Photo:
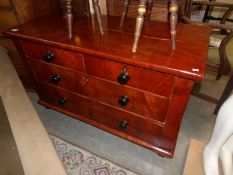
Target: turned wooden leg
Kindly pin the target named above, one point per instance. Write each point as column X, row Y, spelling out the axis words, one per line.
column 139, row 23
column 149, row 9
column 98, row 15
column 63, row 8
column 86, row 8
column 173, row 22
column 125, row 11
column 69, row 18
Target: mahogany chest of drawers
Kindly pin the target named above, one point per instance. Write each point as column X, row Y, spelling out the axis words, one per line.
column 140, row 97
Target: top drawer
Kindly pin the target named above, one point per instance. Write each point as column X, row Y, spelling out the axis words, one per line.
column 140, row 78
column 53, row 55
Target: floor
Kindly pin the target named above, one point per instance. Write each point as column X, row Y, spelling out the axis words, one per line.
column 197, row 123
column 8, row 149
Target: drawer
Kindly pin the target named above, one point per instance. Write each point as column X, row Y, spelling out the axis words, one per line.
column 140, row 78
column 54, row 55
column 146, row 104
column 63, row 99
column 126, row 123
column 57, row 76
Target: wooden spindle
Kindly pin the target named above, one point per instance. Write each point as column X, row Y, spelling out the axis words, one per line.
column 173, row 22
column 139, row 23
column 69, row 18
column 98, row 15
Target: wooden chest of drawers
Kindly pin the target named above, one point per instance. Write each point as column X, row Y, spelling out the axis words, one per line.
column 96, row 79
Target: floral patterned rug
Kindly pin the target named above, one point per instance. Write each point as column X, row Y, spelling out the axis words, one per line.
column 78, row 161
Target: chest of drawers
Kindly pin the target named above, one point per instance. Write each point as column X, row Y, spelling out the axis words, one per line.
column 140, row 97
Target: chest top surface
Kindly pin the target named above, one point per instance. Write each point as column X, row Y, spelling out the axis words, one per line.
column 154, row 51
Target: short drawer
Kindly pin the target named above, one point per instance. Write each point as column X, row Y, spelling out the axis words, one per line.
column 54, row 55
column 63, row 99
column 126, row 123
column 57, row 76
column 140, row 78
column 147, row 104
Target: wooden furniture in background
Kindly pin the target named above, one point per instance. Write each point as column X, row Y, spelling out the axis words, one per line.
column 145, row 7
column 159, row 9
column 223, row 66
column 140, row 97
column 14, row 12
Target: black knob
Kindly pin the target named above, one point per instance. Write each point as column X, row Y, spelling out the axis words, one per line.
column 123, row 78
column 49, row 56
column 55, row 79
column 123, row 100
column 62, row 101
column 123, row 124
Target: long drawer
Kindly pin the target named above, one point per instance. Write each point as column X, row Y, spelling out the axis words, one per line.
column 129, row 75
column 126, row 123
column 146, row 104
column 54, row 55
column 122, row 122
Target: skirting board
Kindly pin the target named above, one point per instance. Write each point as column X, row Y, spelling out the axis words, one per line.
column 194, row 161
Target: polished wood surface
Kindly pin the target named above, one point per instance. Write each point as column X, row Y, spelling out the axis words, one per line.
column 187, row 61
column 96, row 78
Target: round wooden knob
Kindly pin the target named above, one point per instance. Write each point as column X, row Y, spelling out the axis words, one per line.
column 55, row 79
column 123, row 78
column 123, row 100
column 49, row 56
column 123, row 124
column 62, row 101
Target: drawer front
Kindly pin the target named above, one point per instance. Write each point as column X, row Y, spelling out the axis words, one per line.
column 140, row 78
column 146, row 104
column 63, row 99
column 57, row 76
column 53, row 55
column 126, row 123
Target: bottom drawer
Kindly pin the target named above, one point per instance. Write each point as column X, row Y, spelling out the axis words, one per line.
column 63, row 99
column 126, row 123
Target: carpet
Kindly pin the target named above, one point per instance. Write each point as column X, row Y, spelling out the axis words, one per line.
column 78, row 161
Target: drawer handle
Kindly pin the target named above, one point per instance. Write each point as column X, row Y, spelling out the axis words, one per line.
column 62, row 101
column 123, row 124
column 55, row 79
column 48, row 57
column 123, row 100
column 123, row 78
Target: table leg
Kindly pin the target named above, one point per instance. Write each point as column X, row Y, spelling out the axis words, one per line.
column 98, row 15
column 139, row 23
column 149, row 9
column 86, row 8
column 69, row 18
column 126, row 5
column 173, row 22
